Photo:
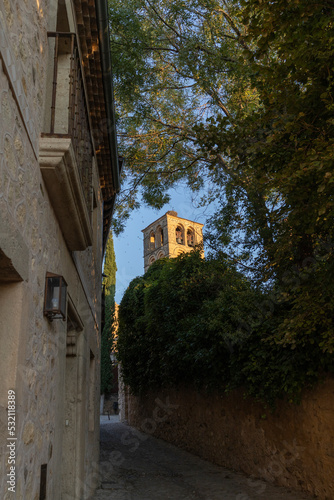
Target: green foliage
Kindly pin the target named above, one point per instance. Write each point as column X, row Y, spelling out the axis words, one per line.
column 200, row 323
column 295, row 78
column 107, row 337
column 276, row 213
column 109, row 268
column 174, row 64
column 177, row 323
column 107, row 342
column 237, row 96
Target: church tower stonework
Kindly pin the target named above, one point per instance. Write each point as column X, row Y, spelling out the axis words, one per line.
column 169, row 236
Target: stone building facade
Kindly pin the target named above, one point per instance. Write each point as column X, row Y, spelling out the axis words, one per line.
column 170, row 236
column 59, row 174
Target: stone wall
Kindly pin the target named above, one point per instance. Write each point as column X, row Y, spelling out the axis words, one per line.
column 294, row 447
column 23, row 43
column 33, row 350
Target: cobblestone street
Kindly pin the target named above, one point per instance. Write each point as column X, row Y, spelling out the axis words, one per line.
column 135, row 466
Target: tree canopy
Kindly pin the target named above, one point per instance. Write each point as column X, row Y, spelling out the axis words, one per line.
column 237, row 96
column 281, row 191
column 175, row 64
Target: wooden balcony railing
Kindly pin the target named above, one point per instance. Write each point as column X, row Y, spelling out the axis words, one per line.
column 66, row 111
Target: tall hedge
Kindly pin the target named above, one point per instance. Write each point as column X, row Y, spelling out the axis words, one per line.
column 201, row 323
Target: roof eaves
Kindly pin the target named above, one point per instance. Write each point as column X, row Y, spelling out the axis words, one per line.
column 104, row 38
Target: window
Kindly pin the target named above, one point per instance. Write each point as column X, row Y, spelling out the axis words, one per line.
column 42, row 487
column 152, row 241
column 160, row 237
column 62, row 18
column 179, row 234
column 190, row 238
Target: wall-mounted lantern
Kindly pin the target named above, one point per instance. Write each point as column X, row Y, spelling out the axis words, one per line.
column 55, row 297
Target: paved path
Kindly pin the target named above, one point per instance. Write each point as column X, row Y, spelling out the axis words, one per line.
column 135, row 466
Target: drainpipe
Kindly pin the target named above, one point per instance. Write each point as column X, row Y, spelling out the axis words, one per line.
column 104, row 38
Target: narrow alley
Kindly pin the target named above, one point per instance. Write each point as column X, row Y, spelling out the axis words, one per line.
column 135, row 466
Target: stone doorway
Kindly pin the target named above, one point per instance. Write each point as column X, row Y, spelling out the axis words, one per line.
column 73, row 434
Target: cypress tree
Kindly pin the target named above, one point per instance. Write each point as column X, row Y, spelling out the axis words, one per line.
column 107, row 338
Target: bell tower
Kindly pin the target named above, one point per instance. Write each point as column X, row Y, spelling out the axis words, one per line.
column 169, row 236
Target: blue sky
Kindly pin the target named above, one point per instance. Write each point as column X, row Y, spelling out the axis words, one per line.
column 129, row 245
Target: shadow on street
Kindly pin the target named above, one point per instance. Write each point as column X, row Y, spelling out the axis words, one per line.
column 136, row 466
